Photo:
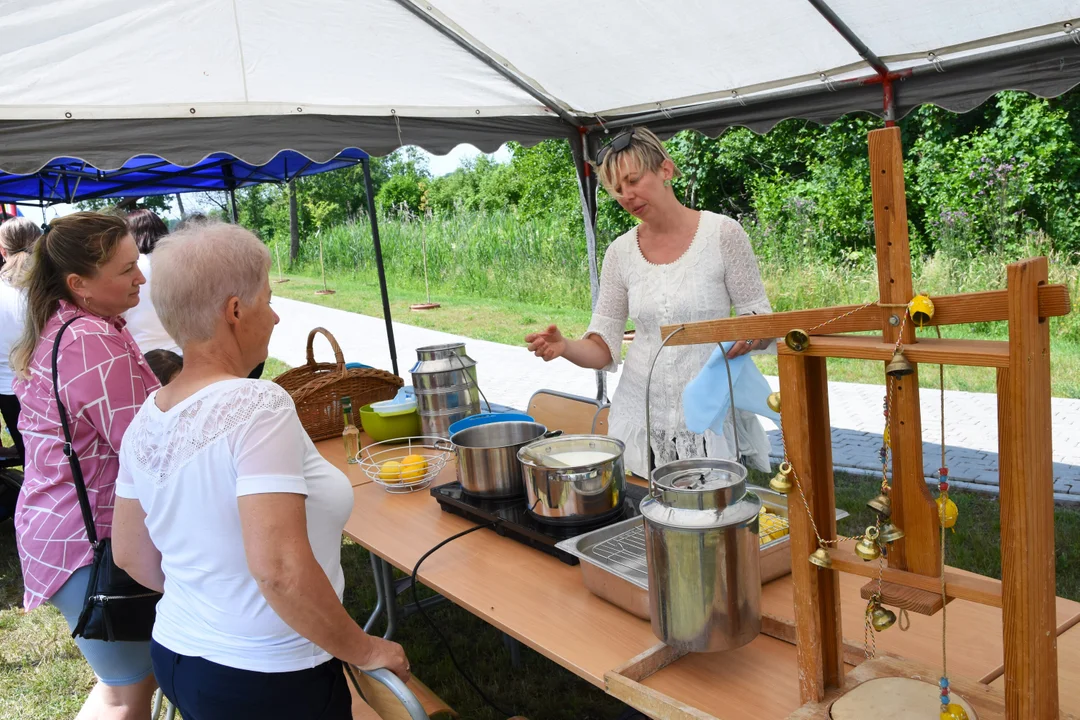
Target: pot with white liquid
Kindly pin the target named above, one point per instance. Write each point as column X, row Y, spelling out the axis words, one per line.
column 574, row 479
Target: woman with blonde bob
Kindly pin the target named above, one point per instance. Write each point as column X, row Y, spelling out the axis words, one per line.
column 677, row 265
column 224, row 502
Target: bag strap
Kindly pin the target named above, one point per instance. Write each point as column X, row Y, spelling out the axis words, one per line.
column 69, row 451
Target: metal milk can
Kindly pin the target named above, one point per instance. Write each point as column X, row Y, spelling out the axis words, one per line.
column 701, row 541
column 444, row 379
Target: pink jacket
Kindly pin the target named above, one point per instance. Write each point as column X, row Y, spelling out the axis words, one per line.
column 103, row 383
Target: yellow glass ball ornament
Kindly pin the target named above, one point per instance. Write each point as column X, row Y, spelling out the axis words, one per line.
column 947, row 511
column 952, row 711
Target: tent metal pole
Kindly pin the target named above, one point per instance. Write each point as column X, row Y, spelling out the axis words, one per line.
column 232, row 202
column 491, row 62
column 587, row 195
column 849, row 35
column 369, row 190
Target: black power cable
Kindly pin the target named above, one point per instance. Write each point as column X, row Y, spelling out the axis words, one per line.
column 442, row 638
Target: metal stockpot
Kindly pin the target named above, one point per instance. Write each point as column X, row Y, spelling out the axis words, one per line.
column 444, row 379
column 574, row 494
column 487, row 457
column 701, row 542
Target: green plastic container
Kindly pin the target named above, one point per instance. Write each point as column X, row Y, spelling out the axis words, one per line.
column 383, row 428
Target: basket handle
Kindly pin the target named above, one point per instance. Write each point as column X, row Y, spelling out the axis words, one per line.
column 338, row 355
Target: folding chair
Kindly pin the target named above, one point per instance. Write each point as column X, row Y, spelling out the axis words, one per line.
column 599, row 423
column 556, row 410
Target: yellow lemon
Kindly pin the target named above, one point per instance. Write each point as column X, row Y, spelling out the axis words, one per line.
column 390, row 471
column 413, row 468
column 413, row 462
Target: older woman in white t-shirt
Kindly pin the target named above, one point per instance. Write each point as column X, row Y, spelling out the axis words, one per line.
column 224, row 504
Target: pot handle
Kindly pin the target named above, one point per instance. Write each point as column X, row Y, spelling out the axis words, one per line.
column 551, row 434
column 444, row 446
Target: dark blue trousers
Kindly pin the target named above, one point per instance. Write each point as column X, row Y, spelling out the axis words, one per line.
column 204, row 690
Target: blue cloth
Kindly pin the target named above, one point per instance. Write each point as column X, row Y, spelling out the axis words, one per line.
column 706, row 398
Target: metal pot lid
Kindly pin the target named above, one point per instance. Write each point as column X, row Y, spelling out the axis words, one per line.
column 736, row 514
column 705, row 479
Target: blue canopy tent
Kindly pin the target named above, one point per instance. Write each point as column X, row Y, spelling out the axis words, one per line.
column 70, row 180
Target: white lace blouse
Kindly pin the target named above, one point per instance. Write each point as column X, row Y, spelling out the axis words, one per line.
column 716, row 272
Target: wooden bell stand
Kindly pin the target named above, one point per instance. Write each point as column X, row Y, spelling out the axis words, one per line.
column 1026, row 593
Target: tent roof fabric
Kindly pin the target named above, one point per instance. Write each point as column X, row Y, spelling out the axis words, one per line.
column 67, row 180
column 103, row 80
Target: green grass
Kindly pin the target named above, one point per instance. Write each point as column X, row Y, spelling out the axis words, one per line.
column 43, row 677
column 502, row 321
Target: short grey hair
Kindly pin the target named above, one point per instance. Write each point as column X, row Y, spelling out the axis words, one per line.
column 196, row 270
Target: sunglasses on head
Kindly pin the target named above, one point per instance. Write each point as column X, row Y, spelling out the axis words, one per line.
column 619, row 143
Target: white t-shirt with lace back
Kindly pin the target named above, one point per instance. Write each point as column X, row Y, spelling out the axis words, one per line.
column 718, row 271
column 187, row 467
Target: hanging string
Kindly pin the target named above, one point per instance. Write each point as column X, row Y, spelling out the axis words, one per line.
column 941, row 518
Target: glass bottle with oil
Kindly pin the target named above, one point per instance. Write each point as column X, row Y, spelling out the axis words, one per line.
column 351, row 434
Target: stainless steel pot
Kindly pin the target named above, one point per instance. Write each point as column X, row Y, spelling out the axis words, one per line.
column 574, row 492
column 444, row 379
column 702, row 546
column 487, row 457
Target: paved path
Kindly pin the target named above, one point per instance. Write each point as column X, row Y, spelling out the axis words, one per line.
column 509, row 375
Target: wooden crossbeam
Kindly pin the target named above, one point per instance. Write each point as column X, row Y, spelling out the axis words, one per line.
column 970, row 353
column 974, row 588
column 989, row 306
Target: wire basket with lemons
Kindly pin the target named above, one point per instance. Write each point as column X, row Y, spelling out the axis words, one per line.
column 405, row 465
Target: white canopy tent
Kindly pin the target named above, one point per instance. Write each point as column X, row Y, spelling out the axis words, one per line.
column 106, row 80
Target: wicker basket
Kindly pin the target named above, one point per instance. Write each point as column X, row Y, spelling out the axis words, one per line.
column 317, row 389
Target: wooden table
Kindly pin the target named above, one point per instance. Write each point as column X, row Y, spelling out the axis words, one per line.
column 333, row 450
column 542, row 602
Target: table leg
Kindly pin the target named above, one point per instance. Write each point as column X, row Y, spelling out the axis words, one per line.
column 380, row 593
column 391, row 599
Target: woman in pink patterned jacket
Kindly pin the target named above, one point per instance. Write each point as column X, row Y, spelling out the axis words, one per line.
column 84, row 266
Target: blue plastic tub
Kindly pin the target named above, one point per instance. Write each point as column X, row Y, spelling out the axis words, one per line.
column 485, row 418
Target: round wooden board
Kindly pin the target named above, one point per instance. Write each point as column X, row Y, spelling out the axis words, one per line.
column 893, row 699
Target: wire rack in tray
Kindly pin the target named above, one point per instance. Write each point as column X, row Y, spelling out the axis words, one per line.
column 627, row 549
column 388, row 463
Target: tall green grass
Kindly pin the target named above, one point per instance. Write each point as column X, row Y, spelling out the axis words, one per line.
column 494, row 255
column 499, row 255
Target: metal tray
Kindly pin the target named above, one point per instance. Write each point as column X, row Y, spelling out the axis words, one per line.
column 613, row 564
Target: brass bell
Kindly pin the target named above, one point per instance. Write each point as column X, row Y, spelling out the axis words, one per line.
column 773, row 401
column 899, row 365
column 882, row 505
column 921, row 309
column 881, row 618
column 890, row 533
column 867, row 548
column 797, row 340
column 781, row 482
column 821, row 558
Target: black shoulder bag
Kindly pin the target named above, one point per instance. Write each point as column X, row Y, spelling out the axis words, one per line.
column 116, row 607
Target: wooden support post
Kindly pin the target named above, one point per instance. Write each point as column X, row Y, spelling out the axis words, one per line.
column 1027, row 503
column 913, row 510
column 805, row 393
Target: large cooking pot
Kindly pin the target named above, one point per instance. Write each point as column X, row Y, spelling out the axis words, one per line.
column 487, row 457
column 574, row 479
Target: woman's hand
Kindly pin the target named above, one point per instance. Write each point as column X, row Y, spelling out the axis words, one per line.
column 389, row 655
column 741, row 347
column 549, row 344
